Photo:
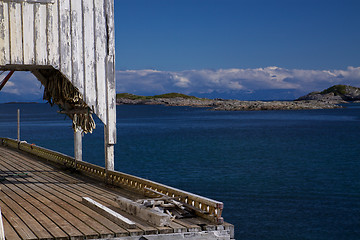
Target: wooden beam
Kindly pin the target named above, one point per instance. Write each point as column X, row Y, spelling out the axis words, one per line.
column 140, row 211
column 6, row 79
column 108, row 213
column 78, row 144
column 2, row 234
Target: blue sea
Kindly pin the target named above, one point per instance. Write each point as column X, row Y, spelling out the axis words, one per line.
column 280, row 174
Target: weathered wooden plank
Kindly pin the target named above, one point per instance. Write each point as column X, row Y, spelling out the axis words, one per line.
column 103, row 210
column 2, row 233
column 75, row 199
column 140, row 224
column 59, row 207
column 89, row 54
column 65, row 192
column 65, row 38
column 77, row 45
column 39, row 202
column 52, row 33
column 111, row 101
column 88, row 225
column 110, row 75
column 10, row 232
column 20, row 227
column 26, row 222
column 16, row 49
column 31, row 1
column 206, row 225
column 109, row 10
column 40, row 34
column 45, row 205
column 28, row 204
column 61, row 192
column 28, row 33
column 101, row 50
column 4, row 34
column 189, row 226
column 138, row 210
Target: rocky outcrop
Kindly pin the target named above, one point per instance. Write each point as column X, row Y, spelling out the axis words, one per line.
column 318, row 96
column 334, row 94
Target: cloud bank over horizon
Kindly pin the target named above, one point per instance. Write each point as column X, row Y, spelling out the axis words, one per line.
column 22, row 86
column 270, row 83
column 258, row 83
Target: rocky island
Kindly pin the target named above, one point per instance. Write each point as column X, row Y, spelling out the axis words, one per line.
column 327, row 99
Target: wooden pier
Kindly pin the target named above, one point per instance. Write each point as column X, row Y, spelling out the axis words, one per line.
column 41, row 197
column 69, row 45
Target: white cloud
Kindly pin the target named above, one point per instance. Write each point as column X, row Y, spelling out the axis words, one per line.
column 22, row 83
column 182, row 82
column 228, row 80
column 249, row 82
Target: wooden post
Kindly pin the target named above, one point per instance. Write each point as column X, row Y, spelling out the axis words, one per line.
column 78, row 144
column 2, row 233
column 18, row 125
column 110, row 93
column 109, row 152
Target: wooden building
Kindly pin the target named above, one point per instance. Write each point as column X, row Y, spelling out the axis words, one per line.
column 69, row 46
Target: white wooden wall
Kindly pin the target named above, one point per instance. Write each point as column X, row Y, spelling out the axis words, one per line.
column 75, row 37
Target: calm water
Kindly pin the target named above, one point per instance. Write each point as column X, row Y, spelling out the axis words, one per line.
column 280, row 174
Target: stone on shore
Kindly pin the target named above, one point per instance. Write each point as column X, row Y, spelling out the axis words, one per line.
column 232, row 105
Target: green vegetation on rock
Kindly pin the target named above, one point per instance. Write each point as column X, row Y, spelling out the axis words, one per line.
column 166, row 95
column 130, row 96
column 175, row 95
column 337, row 90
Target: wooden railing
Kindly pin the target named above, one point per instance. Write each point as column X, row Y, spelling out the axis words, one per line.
column 204, row 207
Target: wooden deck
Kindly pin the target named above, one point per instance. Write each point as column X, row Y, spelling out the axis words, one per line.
column 40, row 201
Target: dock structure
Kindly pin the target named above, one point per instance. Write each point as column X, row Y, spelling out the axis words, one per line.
column 69, row 45
column 45, row 195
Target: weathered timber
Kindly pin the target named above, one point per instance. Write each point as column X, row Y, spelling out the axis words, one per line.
column 72, row 37
column 40, row 201
column 210, row 209
column 139, row 210
column 107, row 212
column 2, row 234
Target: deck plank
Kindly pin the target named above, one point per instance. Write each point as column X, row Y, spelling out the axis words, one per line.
column 10, row 232
column 73, row 215
column 41, row 201
column 43, row 196
column 30, row 221
column 20, row 227
column 60, row 191
column 42, row 218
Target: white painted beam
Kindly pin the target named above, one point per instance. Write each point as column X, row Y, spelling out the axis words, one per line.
column 28, row 32
column 4, row 34
column 108, row 213
column 78, row 145
column 2, row 233
column 147, row 214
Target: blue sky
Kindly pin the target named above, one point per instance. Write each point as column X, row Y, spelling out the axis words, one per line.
column 180, row 35
column 244, row 49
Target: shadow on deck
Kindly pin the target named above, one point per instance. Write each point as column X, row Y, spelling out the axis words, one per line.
column 42, row 195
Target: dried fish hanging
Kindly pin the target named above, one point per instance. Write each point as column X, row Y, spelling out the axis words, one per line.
column 58, row 90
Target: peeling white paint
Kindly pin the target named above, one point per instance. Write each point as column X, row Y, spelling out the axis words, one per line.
column 75, row 37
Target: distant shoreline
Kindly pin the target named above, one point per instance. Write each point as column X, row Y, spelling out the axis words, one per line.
column 19, row 103
column 232, row 105
column 328, row 99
